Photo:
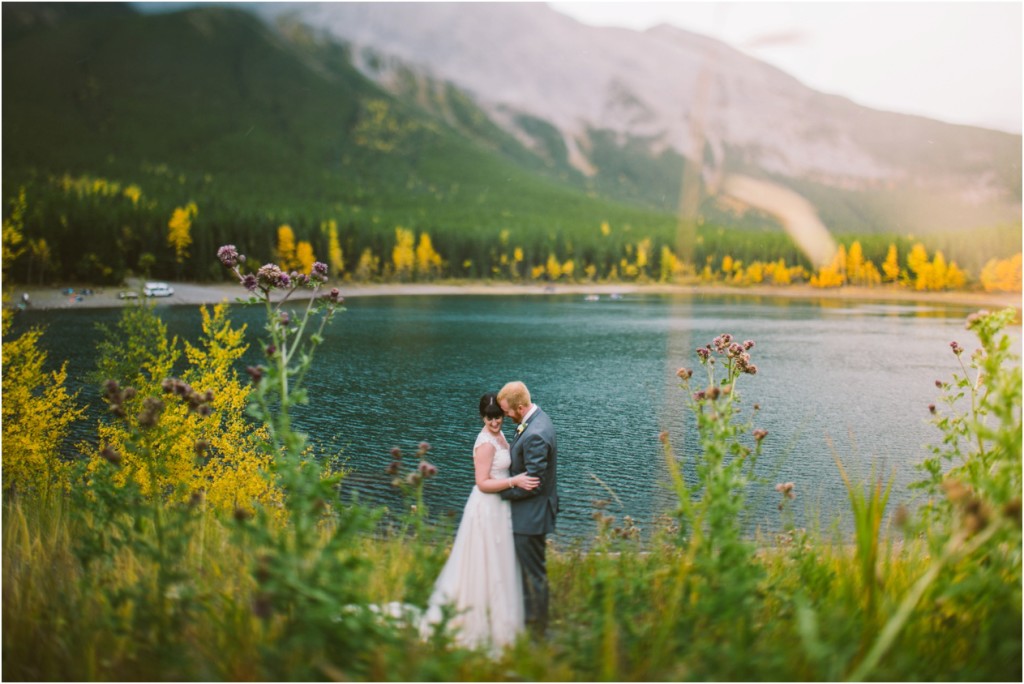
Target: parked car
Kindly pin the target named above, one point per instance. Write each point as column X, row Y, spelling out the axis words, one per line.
column 158, row 290
column 127, row 294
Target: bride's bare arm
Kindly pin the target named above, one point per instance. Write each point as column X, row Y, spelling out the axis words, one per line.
column 483, row 457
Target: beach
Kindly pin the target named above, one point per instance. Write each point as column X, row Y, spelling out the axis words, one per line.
column 72, row 296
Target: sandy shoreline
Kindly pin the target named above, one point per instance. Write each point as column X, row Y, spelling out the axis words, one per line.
column 196, row 294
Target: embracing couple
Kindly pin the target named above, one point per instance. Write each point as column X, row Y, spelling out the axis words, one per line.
column 495, row 578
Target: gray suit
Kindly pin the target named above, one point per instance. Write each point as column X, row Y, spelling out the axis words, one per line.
column 534, row 451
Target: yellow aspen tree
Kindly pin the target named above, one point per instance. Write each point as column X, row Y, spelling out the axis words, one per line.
column 335, row 255
column 781, row 274
column 285, row 252
column 553, row 267
column 134, row 193
column 590, row 270
column 403, row 256
column 568, row 268
column 669, row 265
column 1002, row 275
column 955, row 277
column 368, row 265
column 428, row 261
column 855, row 264
column 537, row 272
column 727, row 265
column 643, row 250
column 917, row 259
column 891, row 265
column 938, row 274
column 179, row 230
column 304, row 255
column 517, row 259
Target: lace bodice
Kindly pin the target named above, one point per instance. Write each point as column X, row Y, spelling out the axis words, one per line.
column 502, row 456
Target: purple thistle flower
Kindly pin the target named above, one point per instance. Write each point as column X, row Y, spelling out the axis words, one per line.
column 255, row 372
column 319, row 272
column 684, row 373
column 748, row 345
column 427, row 469
column 249, row 282
column 229, row 256
column 285, row 318
column 269, row 276
column 760, row 434
column 957, row 349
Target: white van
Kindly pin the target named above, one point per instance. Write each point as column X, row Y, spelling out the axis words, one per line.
column 158, row 290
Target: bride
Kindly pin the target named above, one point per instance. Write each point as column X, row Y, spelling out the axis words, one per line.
column 481, row 579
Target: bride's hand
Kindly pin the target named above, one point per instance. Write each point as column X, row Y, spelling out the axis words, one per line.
column 524, row 481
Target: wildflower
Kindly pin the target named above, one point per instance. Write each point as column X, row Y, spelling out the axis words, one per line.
column 684, row 373
column 413, row 478
column 427, row 469
column 396, row 452
column 334, row 296
column 698, row 395
column 270, row 276
column 255, row 372
column 704, row 353
column 285, row 318
column 931, row 409
column 111, row 455
column 713, row 392
column 748, row 345
column 250, row 282
column 319, row 272
column 786, row 489
column 976, row 318
column 393, row 468
column 271, row 350
column 663, row 437
column 201, row 447
column 424, row 446
column 229, row 256
column 957, row 349
column 299, row 279
column 760, row 434
column 955, row 490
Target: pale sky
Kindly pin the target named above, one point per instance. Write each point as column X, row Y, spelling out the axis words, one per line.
column 954, row 61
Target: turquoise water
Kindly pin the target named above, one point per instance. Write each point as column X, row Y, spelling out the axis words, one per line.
column 853, row 379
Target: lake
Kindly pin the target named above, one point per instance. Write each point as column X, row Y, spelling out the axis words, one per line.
column 835, row 377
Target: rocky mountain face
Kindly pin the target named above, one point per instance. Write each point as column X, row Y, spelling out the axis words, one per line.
column 667, row 91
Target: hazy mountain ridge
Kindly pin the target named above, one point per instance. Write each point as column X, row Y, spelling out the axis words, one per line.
column 524, row 61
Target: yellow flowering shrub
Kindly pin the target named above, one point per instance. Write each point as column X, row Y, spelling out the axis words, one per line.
column 187, row 451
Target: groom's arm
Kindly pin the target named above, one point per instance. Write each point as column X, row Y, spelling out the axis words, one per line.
column 536, row 458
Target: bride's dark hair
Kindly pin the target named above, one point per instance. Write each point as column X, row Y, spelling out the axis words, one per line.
column 489, row 406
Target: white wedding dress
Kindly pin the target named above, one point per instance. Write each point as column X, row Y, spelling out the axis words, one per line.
column 481, row 579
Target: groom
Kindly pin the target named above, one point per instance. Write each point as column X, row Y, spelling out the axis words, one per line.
column 533, row 512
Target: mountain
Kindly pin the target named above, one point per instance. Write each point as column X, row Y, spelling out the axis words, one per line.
column 612, row 108
column 259, row 127
column 261, row 115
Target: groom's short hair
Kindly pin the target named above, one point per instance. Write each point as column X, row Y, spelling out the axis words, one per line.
column 515, row 393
